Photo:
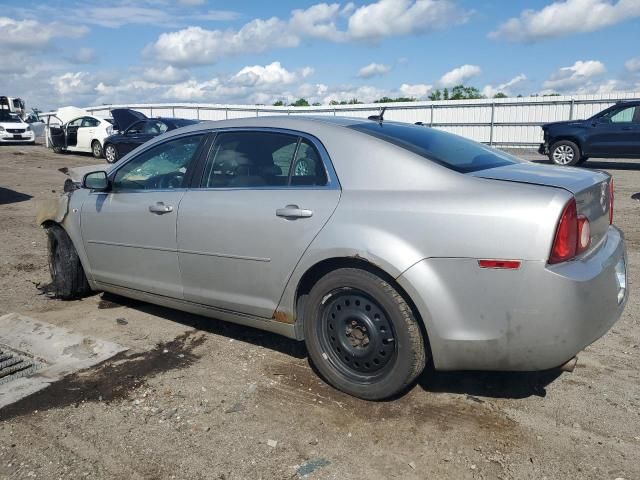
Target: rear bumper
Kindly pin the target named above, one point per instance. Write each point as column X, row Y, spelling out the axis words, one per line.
column 533, row 318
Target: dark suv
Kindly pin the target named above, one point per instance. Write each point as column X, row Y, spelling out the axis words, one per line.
column 612, row 133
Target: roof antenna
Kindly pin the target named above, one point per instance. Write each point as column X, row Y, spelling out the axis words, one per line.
column 378, row 118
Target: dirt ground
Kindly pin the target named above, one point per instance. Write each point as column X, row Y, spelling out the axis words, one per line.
column 197, row 398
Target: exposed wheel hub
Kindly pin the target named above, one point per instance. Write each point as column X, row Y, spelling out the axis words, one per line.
column 358, row 334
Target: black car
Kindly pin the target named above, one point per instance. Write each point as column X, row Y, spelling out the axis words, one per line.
column 612, row 133
column 134, row 129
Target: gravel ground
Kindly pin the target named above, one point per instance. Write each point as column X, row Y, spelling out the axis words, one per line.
column 196, row 398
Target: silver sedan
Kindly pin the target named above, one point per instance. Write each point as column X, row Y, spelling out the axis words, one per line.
column 382, row 245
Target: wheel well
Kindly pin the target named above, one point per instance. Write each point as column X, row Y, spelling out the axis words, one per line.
column 568, row 138
column 320, row 269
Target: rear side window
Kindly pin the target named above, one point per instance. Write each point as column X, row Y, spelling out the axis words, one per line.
column 262, row 159
column 446, row 149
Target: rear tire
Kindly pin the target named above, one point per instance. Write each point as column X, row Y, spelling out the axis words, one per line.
column 361, row 335
column 582, row 160
column 565, row 153
column 68, row 280
column 57, row 149
column 96, row 149
column 110, row 153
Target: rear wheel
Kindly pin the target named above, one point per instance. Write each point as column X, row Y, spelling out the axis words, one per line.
column 564, row 153
column 57, row 149
column 96, row 149
column 582, row 160
column 110, row 153
column 68, row 279
column 361, row 335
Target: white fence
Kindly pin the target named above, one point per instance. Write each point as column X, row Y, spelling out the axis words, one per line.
column 507, row 122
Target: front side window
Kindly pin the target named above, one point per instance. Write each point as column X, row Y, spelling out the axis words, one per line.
column 154, row 127
column 89, row 122
column 161, row 167
column 622, row 116
column 75, row 123
column 262, row 159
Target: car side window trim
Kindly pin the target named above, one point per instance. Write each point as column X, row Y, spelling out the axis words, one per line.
column 333, row 182
column 188, row 175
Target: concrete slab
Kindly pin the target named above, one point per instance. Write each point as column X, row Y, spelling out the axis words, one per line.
column 61, row 351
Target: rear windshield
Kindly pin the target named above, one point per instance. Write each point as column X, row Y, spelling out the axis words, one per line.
column 451, row 151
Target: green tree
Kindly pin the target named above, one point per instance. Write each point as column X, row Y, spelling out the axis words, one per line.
column 499, row 95
column 301, row 102
column 399, row 99
column 279, row 103
column 460, row 92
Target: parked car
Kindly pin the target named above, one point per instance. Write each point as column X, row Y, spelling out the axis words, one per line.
column 13, row 129
column 79, row 131
column 381, row 245
column 134, row 129
column 612, row 133
column 35, row 123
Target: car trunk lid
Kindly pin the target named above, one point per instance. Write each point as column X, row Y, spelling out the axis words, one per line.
column 590, row 188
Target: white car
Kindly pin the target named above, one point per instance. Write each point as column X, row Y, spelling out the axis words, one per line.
column 78, row 131
column 14, row 130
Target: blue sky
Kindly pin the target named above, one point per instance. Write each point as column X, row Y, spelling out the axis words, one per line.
column 84, row 53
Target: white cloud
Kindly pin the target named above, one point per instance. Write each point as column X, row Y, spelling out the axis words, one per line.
column 373, row 70
column 334, row 22
column 563, row 18
column 459, row 75
column 76, row 83
column 165, row 75
column 490, row 91
column 632, row 65
column 31, row 34
column 578, row 78
column 418, row 91
column 269, row 75
column 197, row 46
column 317, row 21
column 387, row 18
column 192, row 3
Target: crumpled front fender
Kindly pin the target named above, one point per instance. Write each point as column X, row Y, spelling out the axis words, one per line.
column 53, row 209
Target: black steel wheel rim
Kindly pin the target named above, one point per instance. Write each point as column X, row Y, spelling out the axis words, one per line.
column 356, row 334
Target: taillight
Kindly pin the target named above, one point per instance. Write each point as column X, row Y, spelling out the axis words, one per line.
column 573, row 234
column 611, row 201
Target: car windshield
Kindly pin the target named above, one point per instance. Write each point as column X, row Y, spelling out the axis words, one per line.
column 446, row 149
column 6, row 116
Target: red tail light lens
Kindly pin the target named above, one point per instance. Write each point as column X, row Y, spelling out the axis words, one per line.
column 611, row 201
column 573, row 235
column 566, row 241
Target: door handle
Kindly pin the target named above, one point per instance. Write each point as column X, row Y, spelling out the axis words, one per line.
column 291, row 212
column 160, row 208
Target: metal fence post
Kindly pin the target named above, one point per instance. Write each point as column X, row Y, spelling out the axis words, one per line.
column 433, row 107
column 198, row 113
column 493, row 108
column 173, row 112
column 571, row 109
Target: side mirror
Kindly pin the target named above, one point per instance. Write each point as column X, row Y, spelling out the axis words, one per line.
column 96, row 181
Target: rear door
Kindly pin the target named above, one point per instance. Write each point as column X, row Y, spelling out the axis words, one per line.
column 87, row 132
column 130, row 232
column 262, row 198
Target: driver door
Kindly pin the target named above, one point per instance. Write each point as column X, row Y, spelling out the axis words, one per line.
column 129, row 232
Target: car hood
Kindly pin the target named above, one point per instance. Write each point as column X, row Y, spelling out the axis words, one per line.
column 568, row 123
column 572, row 179
column 125, row 117
column 13, row 124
